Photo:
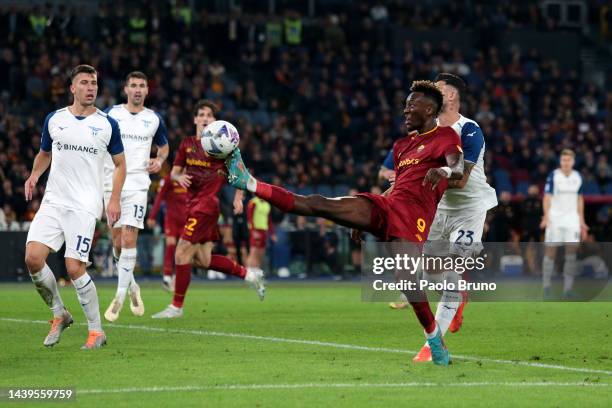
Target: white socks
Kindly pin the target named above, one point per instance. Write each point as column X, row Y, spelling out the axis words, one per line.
column 251, row 184
column 88, row 298
column 569, row 272
column 447, row 309
column 45, row 283
column 547, row 271
column 449, row 301
column 125, row 268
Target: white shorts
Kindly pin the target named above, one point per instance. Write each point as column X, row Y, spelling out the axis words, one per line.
column 133, row 208
column 561, row 234
column 52, row 226
column 459, row 234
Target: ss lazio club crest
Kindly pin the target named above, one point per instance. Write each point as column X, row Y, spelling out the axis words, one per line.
column 146, row 123
column 94, row 130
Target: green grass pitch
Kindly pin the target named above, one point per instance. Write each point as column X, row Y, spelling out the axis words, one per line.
column 308, row 345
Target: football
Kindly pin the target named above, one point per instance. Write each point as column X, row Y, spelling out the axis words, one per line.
column 219, row 139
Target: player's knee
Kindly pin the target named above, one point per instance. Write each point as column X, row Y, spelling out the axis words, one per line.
column 34, row 261
column 129, row 235
column 181, row 255
column 75, row 270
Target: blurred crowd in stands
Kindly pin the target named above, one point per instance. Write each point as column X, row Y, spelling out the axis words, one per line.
column 317, row 98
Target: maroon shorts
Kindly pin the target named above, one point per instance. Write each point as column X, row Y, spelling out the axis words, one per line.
column 173, row 226
column 258, row 238
column 389, row 221
column 201, row 227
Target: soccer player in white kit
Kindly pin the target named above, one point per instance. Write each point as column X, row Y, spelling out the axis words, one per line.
column 563, row 219
column 140, row 128
column 459, row 222
column 78, row 137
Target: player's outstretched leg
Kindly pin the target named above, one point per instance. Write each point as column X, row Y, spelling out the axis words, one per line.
column 350, row 212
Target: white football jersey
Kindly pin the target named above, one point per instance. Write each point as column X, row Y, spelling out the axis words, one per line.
column 564, row 201
column 79, row 146
column 138, row 132
column 477, row 193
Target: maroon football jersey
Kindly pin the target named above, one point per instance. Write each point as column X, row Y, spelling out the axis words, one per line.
column 208, row 174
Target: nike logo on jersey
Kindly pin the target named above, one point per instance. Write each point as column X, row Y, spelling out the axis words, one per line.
column 126, row 269
column 62, row 127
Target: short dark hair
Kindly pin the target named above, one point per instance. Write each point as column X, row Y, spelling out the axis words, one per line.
column 136, row 74
column 453, row 80
column 430, row 90
column 83, row 68
column 205, row 103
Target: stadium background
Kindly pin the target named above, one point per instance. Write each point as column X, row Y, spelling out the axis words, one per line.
column 316, row 89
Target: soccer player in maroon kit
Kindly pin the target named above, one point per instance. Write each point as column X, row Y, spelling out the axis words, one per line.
column 424, row 160
column 203, row 176
column 176, row 198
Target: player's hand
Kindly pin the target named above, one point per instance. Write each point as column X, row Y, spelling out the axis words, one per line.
column 151, row 223
column 184, row 180
column 154, row 166
column 238, row 207
column 357, row 235
column 433, row 177
column 544, row 223
column 30, row 185
column 584, row 231
column 391, row 178
column 273, row 238
column 113, row 212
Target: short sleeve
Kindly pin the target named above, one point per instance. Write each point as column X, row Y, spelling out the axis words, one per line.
column 115, row 146
column 161, row 135
column 549, row 187
column 45, row 139
column 472, row 141
column 453, row 144
column 180, row 158
column 388, row 163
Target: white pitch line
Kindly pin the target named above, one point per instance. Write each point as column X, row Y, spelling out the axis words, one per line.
column 251, row 387
column 326, row 344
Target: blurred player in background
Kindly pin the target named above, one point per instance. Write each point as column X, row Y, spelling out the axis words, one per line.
column 462, row 211
column 260, row 228
column 425, row 159
column 563, row 219
column 140, row 128
column 175, row 196
column 78, row 137
column 203, row 176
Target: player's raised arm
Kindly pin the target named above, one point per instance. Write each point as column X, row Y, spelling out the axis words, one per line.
column 453, row 170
